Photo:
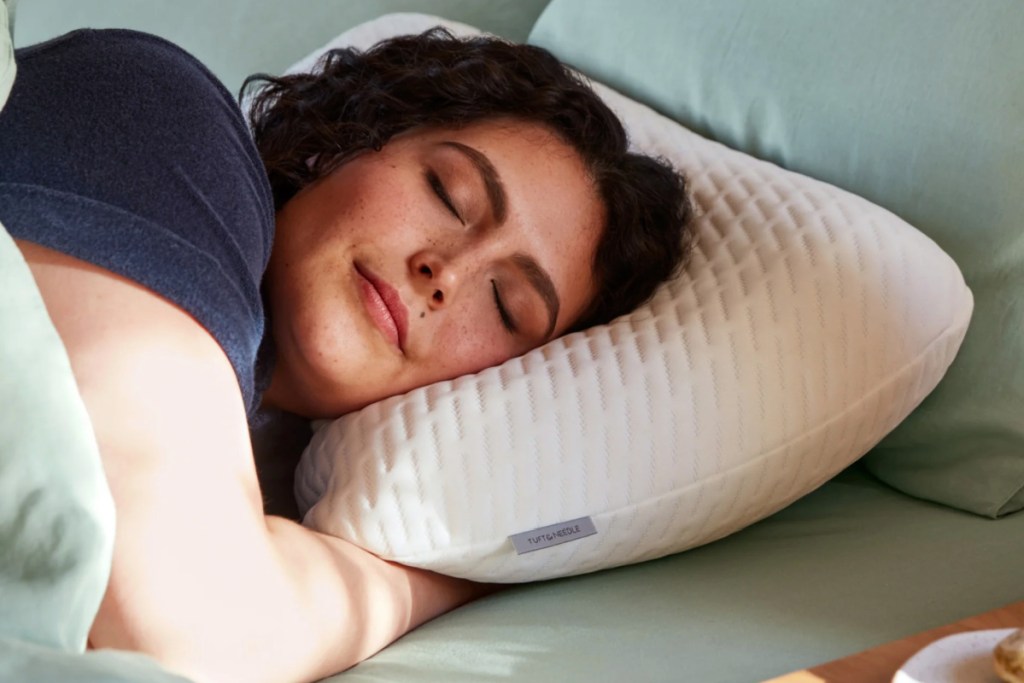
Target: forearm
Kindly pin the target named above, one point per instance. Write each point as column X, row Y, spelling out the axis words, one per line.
column 212, row 589
column 220, row 593
column 360, row 602
column 313, row 606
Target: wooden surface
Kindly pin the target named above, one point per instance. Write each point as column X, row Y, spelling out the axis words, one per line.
column 878, row 665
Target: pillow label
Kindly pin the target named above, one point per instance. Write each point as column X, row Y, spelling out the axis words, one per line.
column 552, row 534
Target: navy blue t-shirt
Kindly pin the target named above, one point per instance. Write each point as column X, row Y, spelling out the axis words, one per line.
column 120, row 149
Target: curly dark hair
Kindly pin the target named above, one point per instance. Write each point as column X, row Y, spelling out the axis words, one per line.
column 356, row 101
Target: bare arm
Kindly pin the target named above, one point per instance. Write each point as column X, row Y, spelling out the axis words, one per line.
column 201, row 579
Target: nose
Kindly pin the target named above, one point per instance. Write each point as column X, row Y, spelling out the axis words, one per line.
column 436, row 278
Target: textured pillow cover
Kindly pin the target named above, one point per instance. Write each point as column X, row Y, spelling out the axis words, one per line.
column 809, row 323
column 916, row 105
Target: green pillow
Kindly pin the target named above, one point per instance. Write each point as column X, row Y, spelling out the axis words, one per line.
column 915, row 105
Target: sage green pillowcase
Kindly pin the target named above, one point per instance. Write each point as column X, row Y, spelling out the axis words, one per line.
column 916, row 105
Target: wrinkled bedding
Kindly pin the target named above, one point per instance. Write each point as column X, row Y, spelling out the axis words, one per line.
column 56, row 512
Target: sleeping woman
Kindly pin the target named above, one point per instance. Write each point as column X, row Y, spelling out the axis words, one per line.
column 426, row 209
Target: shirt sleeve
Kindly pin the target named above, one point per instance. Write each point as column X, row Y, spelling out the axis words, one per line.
column 121, row 149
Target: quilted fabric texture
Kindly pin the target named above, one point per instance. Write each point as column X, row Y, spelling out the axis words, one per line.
column 808, row 325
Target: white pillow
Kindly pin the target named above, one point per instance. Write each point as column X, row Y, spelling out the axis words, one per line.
column 808, row 324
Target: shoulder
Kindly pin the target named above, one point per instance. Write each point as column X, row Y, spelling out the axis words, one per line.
column 136, row 122
column 122, row 150
column 141, row 102
column 126, row 76
column 104, row 54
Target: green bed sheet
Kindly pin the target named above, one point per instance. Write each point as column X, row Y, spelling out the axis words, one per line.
column 853, row 565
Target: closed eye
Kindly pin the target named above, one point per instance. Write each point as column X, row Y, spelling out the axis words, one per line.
column 506, row 319
column 439, row 189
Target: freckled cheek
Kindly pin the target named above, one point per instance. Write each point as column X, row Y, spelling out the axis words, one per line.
column 389, row 210
column 466, row 349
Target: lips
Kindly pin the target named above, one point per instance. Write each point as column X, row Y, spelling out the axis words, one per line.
column 384, row 306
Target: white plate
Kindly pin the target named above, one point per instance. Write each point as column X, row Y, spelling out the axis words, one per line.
column 960, row 658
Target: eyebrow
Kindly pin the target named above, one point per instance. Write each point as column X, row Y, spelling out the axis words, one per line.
column 541, row 281
column 492, row 181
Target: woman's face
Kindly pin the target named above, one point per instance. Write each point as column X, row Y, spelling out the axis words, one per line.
column 447, row 252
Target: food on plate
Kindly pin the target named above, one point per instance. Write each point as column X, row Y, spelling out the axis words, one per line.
column 1009, row 657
